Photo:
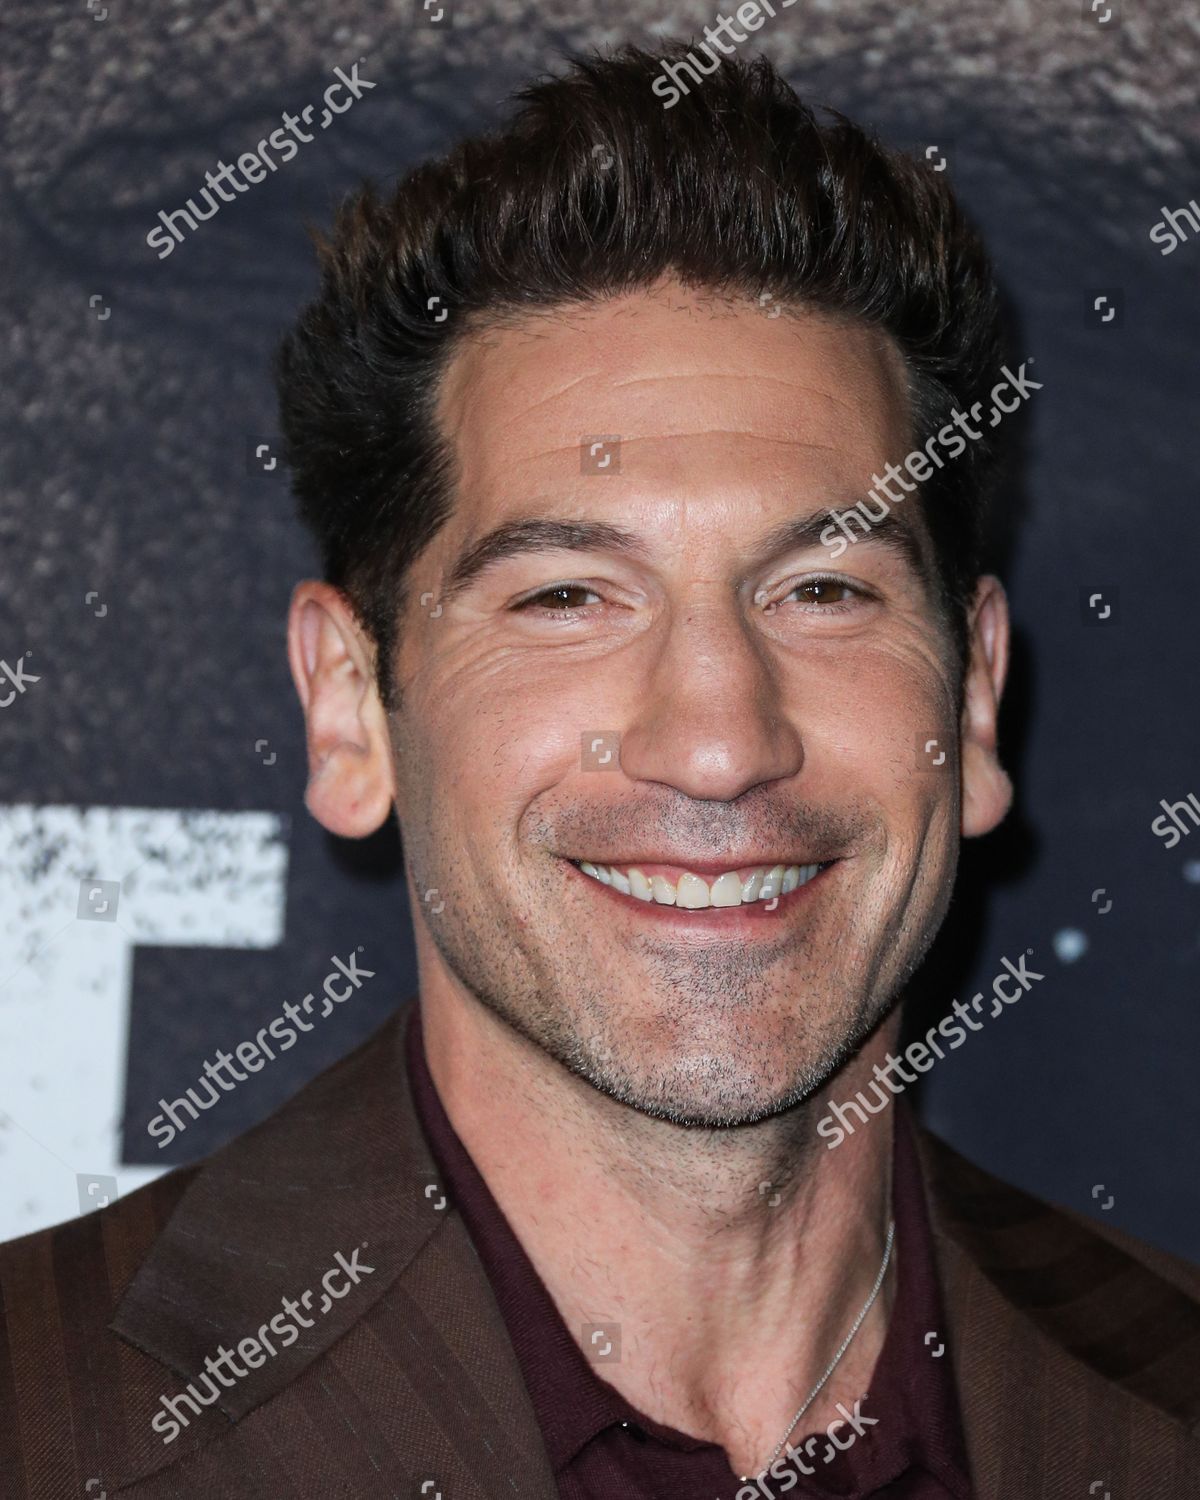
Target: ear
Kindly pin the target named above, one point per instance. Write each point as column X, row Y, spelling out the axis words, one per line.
column 986, row 789
column 350, row 783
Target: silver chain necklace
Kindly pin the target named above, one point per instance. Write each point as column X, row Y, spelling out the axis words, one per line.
column 832, row 1365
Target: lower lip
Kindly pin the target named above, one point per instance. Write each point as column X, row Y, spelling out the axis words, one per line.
column 755, row 915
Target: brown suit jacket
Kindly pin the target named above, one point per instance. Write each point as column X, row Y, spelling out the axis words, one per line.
column 1076, row 1350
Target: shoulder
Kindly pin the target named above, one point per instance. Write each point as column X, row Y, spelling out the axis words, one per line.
column 1118, row 1317
column 326, row 1119
column 987, row 1211
column 96, row 1254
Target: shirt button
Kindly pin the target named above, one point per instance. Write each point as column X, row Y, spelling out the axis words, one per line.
column 635, row 1431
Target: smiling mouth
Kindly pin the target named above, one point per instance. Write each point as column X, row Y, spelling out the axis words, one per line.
column 672, row 885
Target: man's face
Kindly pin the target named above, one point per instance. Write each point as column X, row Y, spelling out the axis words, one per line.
column 759, row 704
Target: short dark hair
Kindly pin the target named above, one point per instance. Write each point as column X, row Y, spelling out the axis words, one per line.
column 592, row 189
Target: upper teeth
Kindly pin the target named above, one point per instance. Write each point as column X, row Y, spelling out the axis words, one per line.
column 694, row 891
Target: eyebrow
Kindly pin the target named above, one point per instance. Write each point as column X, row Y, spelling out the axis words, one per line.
column 533, row 534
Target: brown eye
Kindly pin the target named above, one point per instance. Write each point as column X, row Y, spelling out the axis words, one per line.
column 560, row 599
column 825, row 596
column 824, row 591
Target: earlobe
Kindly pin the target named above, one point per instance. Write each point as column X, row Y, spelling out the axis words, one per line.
column 986, row 788
column 350, row 787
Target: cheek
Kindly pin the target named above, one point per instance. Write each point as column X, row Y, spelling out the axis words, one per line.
column 519, row 704
column 867, row 723
column 491, row 730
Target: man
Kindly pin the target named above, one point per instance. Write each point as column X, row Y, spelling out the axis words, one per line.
column 682, row 732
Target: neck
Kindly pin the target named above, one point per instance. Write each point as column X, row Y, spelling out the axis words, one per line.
column 734, row 1261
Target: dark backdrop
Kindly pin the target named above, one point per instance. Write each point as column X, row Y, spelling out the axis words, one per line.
column 148, row 555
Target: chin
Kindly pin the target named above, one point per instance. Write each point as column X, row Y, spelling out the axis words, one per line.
column 708, row 1091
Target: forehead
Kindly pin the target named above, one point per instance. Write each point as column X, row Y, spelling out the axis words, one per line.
column 696, row 387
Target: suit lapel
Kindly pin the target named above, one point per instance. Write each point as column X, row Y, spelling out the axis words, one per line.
column 344, row 1167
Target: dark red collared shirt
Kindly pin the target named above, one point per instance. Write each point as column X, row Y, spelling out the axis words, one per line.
column 602, row 1448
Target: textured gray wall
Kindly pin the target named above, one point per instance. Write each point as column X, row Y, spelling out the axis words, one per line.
column 134, row 390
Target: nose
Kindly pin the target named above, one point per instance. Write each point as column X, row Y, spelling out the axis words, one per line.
column 709, row 714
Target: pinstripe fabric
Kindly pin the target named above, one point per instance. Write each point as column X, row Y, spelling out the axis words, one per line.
column 1076, row 1350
